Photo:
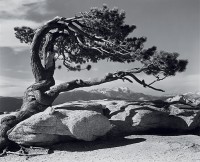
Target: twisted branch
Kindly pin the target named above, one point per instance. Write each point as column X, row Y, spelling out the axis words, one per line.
column 123, row 75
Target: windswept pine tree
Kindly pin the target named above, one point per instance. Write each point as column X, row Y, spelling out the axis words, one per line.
column 99, row 34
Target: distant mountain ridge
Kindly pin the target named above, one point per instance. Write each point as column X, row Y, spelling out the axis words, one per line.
column 124, row 93
column 8, row 104
column 78, row 95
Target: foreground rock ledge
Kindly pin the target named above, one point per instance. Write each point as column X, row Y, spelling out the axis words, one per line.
column 75, row 121
column 89, row 120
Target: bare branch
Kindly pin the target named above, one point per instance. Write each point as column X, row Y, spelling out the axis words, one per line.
column 142, row 82
column 123, row 75
column 158, row 79
column 75, row 28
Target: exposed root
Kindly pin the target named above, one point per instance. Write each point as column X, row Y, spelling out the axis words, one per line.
column 4, row 153
column 23, row 154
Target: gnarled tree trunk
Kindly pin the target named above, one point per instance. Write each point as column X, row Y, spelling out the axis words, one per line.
column 35, row 99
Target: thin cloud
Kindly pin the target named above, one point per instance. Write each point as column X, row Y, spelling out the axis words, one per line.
column 17, row 13
column 12, row 86
column 7, row 85
column 20, row 8
column 23, row 71
column 7, row 31
column 15, row 64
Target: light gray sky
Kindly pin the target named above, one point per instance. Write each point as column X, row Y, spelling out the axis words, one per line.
column 171, row 25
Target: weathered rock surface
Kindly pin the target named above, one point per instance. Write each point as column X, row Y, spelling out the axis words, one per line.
column 88, row 125
column 188, row 98
column 88, row 120
column 138, row 117
column 56, row 124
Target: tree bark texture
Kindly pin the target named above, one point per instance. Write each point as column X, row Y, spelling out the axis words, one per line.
column 35, row 100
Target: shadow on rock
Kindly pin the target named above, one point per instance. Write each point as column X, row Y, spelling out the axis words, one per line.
column 96, row 145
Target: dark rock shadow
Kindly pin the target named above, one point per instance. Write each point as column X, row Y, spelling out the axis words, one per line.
column 82, row 146
column 164, row 132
